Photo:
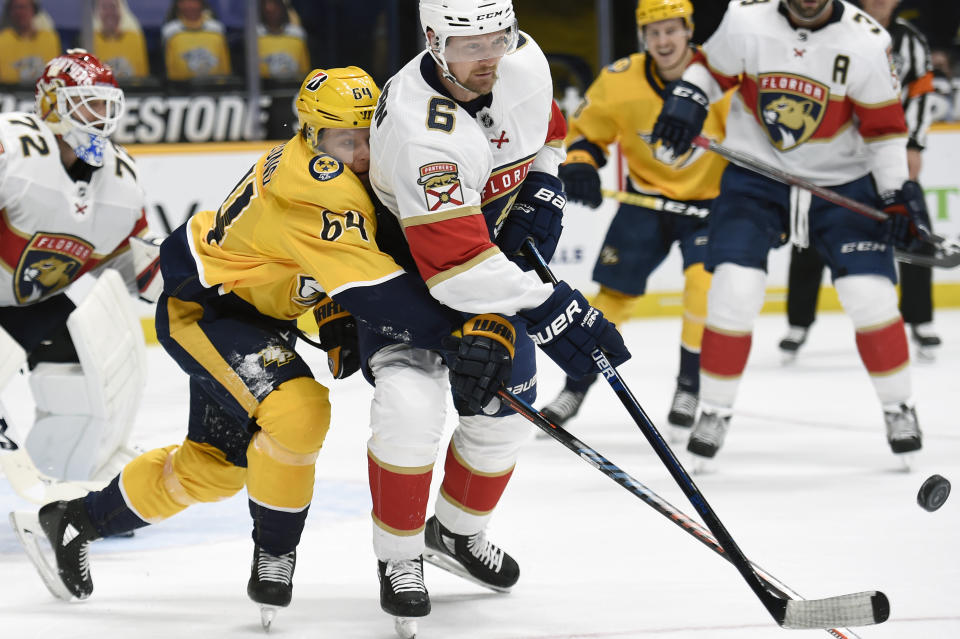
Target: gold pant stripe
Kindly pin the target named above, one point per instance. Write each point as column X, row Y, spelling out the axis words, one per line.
column 399, row 470
column 270, row 447
column 460, row 460
column 453, row 502
column 395, row 531
column 188, row 334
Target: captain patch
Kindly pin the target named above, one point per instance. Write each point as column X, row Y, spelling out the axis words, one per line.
column 441, row 185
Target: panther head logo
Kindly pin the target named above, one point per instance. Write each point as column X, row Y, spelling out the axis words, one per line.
column 791, row 108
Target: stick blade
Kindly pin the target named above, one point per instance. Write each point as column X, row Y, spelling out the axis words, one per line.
column 857, row 609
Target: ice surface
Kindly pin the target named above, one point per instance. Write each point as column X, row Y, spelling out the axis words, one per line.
column 805, row 483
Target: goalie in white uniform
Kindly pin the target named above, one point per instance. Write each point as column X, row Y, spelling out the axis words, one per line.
column 71, row 203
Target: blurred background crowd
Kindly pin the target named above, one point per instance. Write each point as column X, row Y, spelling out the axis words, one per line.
column 257, row 51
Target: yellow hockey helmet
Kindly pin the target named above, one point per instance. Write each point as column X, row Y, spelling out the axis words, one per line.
column 342, row 98
column 649, row 11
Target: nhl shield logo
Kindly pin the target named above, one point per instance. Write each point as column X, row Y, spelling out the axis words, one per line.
column 441, row 185
column 790, row 107
column 47, row 264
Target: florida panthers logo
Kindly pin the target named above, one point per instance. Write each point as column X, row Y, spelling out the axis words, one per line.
column 791, row 108
column 441, row 185
column 48, row 264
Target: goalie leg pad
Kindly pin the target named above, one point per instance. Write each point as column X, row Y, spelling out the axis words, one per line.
column 12, row 357
column 293, row 420
column 85, row 412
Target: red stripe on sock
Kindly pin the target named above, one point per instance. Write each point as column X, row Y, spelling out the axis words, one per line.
column 885, row 349
column 399, row 499
column 475, row 492
column 723, row 355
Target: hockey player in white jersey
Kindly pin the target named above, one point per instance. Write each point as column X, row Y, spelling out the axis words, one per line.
column 817, row 98
column 465, row 145
column 71, row 203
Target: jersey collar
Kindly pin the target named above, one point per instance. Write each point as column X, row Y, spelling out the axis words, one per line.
column 428, row 70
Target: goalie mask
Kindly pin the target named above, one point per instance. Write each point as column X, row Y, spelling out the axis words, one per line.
column 78, row 98
column 490, row 27
column 343, row 98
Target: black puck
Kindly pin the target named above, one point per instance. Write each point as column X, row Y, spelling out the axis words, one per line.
column 933, row 493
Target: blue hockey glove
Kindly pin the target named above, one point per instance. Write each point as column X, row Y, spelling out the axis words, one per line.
column 338, row 337
column 681, row 118
column 581, row 181
column 909, row 221
column 568, row 330
column 480, row 359
column 537, row 213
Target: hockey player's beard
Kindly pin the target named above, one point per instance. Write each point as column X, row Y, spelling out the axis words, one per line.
column 804, row 13
column 484, row 84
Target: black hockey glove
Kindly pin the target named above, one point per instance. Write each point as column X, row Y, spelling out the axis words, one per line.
column 338, row 337
column 581, row 181
column 480, row 359
column 681, row 117
column 909, row 222
column 568, row 330
column 537, row 213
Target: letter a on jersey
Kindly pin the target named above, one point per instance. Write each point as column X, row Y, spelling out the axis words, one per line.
column 441, row 185
column 790, row 107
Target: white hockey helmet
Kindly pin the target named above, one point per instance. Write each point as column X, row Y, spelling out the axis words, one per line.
column 452, row 18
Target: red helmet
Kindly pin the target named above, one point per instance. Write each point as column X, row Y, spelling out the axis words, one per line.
column 78, row 98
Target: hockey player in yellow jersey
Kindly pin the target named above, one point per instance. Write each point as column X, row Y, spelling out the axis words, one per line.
column 670, row 203
column 296, row 234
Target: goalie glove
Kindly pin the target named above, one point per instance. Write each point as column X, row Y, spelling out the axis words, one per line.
column 337, row 333
column 146, row 264
column 480, row 359
column 909, row 221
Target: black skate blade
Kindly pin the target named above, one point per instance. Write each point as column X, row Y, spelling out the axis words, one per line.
column 856, row 609
column 31, row 536
column 453, row 566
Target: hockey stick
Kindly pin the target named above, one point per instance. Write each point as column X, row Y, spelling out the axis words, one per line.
column 647, row 496
column 656, row 203
column 857, row 609
column 946, row 253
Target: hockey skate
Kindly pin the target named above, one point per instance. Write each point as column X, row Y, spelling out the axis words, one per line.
column 271, row 582
column 795, row 338
column 683, row 411
column 903, row 431
column 403, row 594
column 926, row 341
column 472, row 557
column 564, row 407
column 708, row 435
column 57, row 541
